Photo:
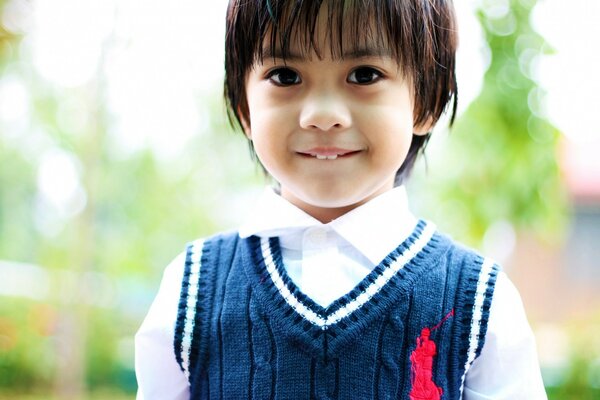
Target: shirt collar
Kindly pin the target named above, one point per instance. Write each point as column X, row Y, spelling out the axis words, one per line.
column 275, row 216
column 375, row 228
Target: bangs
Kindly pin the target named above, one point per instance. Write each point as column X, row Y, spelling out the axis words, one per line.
column 419, row 34
column 352, row 27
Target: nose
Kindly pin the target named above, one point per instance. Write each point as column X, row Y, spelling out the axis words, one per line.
column 324, row 112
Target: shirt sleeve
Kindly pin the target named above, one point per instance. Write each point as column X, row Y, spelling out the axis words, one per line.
column 507, row 367
column 158, row 373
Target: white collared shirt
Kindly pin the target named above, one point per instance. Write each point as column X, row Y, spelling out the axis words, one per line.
column 326, row 261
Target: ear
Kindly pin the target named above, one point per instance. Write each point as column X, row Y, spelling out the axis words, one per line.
column 424, row 128
column 245, row 124
column 246, row 128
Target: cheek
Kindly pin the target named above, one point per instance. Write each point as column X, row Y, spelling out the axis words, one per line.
column 268, row 139
column 264, row 110
column 394, row 128
column 390, row 140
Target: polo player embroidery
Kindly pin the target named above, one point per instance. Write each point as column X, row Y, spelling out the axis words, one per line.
column 421, row 359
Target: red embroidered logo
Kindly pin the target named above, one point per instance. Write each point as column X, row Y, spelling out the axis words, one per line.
column 421, row 366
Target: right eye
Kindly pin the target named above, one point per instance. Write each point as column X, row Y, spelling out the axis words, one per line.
column 284, row 77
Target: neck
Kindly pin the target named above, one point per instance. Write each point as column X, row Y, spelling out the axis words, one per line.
column 323, row 214
column 326, row 215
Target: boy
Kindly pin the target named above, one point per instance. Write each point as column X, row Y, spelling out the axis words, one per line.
column 333, row 289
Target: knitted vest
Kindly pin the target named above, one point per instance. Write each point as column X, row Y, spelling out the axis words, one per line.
column 409, row 330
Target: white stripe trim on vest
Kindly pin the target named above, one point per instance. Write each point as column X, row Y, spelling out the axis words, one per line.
column 190, row 308
column 374, row 288
column 480, row 294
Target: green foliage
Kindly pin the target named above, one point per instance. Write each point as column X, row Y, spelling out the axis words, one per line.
column 26, row 343
column 8, row 39
column 101, row 394
column 16, row 199
column 102, row 263
column 500, row 161
column 582, row 378
column 103, row 352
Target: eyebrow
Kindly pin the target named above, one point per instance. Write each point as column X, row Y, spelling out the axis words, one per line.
column 363, row 52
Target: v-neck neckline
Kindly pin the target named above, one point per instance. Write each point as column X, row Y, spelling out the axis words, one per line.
column 299, row 315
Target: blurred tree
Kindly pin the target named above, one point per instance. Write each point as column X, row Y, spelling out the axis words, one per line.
column 104, row 247
column 8, row 38
column 500, row 163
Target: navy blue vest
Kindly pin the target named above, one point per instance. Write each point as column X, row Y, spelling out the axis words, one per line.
column 409, row 330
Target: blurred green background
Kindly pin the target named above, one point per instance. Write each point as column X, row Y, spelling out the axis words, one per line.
column 115, row 152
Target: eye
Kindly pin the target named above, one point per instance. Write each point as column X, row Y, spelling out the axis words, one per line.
column 284, row 77
column 364, row 76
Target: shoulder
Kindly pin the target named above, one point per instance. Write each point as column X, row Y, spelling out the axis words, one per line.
column 191, row 253
column 466, row 260
column 201, row 250
column 193, row 249
column 477, row 273
column 509, row 340
column 217, row 238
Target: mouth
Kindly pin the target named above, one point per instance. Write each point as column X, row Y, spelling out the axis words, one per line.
column 328, row 153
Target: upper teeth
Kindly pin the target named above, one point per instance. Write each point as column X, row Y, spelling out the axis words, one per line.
column 323, row 157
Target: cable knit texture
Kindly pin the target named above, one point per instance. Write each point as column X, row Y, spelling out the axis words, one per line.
column 409, row 330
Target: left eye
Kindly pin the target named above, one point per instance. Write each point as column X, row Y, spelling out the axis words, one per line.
column 364, row 76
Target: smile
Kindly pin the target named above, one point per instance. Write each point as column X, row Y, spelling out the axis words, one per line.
column 328, row 153
column 322, row 157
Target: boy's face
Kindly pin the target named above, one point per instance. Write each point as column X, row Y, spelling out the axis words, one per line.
column 332, row 132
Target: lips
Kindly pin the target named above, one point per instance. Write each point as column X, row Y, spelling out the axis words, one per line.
column 328, row 153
